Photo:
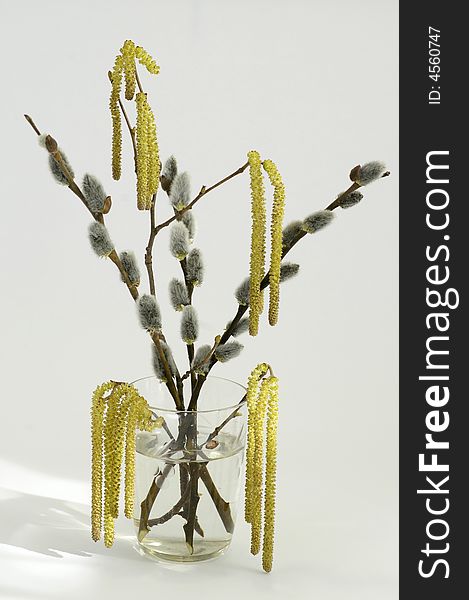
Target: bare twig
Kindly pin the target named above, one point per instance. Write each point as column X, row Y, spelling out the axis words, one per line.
column 223, row 507
column 203, row 191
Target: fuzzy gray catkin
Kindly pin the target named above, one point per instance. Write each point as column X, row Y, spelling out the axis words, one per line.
column 189, row 325
column 290, row 232
column 158, row 366
column 129, row 262
column 149, row 312
column 370, row 172
column 242, row 292
column 195, row 267
column 180, row 193
column 170, row 171
column 241, row 327
column 179, row 240
column 99, row 239
column 226, row 352
column 351, row 200
column 288, row 270
column 200, row 364
column 189, row 221
column 317, row 221
column 57, row 171
column 94, row 193
column 178, row 294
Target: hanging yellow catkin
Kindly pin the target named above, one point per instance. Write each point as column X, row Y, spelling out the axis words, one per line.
column 276, row 239
column 128, row 54
column 142, row 152
column 257, row 261
column 109, row 474
column 270, row 476
column 125, row 65
column 125, row 396
column 251, row 399
column 139, row 416
column 116, row 80
column 97, row 412
column 124, row 411
column 256, row 515
column 262, row 397
column 153, row 155
column 146, row 60
column 130, row 460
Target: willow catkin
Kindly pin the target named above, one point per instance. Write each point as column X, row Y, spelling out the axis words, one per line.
column 97, row 413
column 116, row 80
column 257, row 260
column 256, row 514
column 128, row 54
column 270, row 476
column 142, row 159
column 276, row 239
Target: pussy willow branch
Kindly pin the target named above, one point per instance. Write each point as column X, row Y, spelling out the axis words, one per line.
column 264, row 283
column 114, row 257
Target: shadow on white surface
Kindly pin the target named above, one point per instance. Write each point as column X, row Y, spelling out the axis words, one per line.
column 51, row 527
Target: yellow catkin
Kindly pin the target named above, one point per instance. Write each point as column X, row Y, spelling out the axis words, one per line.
column 257, row 261
column 276, row 239
column 142, row 152
column 128, row 54
column 125, row 411
column 125, row 396
column 153, row 155
column 139, row 416
column 116, row 78
column 256, row 508
column 109, row 481
column 262, row 397
column 129, row 489
column 251, row 399
column 97, row 412
column 270, row 476
column 146, row 60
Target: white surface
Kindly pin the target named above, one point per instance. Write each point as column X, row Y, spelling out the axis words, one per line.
column 313, row 85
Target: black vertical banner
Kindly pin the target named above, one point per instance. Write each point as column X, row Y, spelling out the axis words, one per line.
column 434, row 264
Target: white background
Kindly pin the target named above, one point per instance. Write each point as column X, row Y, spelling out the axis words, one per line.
column 312, row 85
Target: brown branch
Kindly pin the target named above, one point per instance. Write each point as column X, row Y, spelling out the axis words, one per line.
column 203, row 191
column 193, row 501
column 172, row 512
column 223, row 507
column 147, row 503
column 149, row 248
column 218, row 428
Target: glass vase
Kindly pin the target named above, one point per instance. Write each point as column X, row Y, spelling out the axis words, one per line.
column 188, row 471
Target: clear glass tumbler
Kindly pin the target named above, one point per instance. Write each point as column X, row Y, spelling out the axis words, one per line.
column 188, row 471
